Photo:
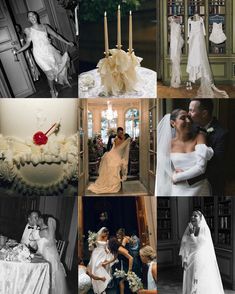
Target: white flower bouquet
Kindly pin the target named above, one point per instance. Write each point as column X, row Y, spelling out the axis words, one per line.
column 135, row 283
column 19, row 253
column 92, row 237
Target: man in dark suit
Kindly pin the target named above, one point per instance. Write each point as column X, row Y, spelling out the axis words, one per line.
column 113, row 136
column 201, row 112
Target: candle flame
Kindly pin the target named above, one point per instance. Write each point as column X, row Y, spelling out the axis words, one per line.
column 119, row 7
column 105, row 13
column 130, row 12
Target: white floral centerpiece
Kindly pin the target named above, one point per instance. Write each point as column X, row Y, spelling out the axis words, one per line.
column 19, row 253
column 92, row 237
column 135, row 283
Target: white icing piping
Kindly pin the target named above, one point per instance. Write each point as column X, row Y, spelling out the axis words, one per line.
column 15, row 153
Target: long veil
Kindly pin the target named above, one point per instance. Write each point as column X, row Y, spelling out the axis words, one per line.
column 200, row 255
column 164, row 170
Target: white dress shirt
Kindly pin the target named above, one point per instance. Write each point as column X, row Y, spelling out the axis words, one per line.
column 26, row 236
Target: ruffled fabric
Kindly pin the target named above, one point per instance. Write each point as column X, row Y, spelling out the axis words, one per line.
column 217, row 35
column 118, row 72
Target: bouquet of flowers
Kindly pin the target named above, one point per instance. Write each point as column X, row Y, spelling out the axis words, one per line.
column 92, row 237
column 134, row 281
column 19, row 253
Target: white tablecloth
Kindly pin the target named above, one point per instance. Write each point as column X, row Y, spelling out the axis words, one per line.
column 146, row 88
column 24, row 278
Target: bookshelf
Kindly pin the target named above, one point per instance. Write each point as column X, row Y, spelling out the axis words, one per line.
column 164, row 219
column 220, row 55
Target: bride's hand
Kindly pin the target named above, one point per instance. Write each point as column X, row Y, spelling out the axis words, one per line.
column 71, row 44
column 191, row 229
column 185, row 265
column 176, row 171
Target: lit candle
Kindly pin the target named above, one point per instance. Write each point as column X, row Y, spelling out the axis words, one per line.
column 106, row 38
column 119, row 28
column 130, row 33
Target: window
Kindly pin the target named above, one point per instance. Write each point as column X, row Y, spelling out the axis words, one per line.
column 90, row 124
column 108, row 122
column 132, row 123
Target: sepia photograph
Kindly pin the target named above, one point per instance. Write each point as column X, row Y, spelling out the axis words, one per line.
column 117, row 147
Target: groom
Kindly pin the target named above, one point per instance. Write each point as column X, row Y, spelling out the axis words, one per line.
column 119, row 134
column 200, row 110
column 31, row 226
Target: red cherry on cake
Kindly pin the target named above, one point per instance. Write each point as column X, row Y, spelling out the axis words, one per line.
column 40, row 138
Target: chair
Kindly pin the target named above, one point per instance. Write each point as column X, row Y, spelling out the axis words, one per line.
column 60, row 247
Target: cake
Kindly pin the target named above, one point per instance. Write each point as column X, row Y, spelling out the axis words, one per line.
column 31, row 167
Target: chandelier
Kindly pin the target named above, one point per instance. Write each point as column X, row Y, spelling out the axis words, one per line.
column 110, row 113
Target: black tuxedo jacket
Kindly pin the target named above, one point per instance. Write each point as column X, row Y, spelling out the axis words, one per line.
column 215, row 172
column 216, row 166
column 110, row 142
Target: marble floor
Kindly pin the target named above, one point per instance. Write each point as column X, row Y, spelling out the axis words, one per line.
column 167, row 92
column 170, row 282
column 129, row 188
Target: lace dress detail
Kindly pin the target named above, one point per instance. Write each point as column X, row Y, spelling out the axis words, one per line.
column 48, row 57
column 217, row 35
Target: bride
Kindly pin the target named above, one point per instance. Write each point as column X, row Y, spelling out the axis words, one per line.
column 181, row 157
column 45, row 238
column 113, row 167
column 201, row 272
column 97, row 266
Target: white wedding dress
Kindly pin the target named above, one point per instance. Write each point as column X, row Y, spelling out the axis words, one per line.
column 47, row 248
column 84, row 281
column 98, row 256
column 113, row 169
column 198, row 66
column 193, row 164
column 202, row 274
column 176, row 44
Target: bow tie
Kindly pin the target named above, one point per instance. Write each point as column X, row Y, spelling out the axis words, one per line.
column 30, row 227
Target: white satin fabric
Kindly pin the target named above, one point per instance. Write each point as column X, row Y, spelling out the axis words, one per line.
column 145, row 87
column 198, row 66
column 113, row 164
column 202, row 273
column 193, row 164
column 47, row 248
column 176, row 44
column 99, row 255
column 25, row 278
column 84, row 281
column 48, row 57
column 217, row 35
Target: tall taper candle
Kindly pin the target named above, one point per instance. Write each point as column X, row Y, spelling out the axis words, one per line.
column 106, row 37
column 130, row 33
column 119, row 28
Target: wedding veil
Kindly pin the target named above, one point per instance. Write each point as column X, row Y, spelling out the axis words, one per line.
column 164, row 170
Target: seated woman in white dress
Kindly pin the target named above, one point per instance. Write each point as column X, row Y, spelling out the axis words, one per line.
column 148, row 256
column 45, row 238
column 113, row 167
column 181, row 156
column 48, row 58
column 201, row 272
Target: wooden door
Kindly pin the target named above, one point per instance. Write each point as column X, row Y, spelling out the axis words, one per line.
column 142, row 221
column 16, row 73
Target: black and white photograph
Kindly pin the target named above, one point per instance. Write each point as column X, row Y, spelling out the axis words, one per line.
column 196, row 245
column 39, row 49
column 38, row 245
column 195, row 144
column 117, row 246
column 117, row 147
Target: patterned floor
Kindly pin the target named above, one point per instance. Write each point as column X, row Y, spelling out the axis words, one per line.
column 170, row 282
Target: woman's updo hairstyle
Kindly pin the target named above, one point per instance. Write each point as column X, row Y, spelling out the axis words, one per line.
column 148, row 252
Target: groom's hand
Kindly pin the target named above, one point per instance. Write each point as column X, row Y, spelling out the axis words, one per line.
column 103, row 279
